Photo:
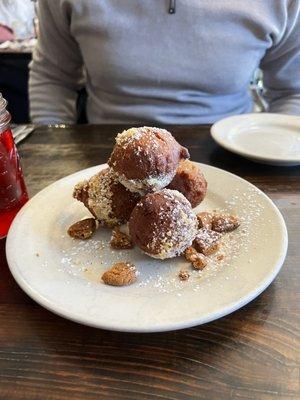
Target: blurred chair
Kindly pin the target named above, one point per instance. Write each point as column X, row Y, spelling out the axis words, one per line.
column 14, row 86
column 81, row 106
column 257, row 92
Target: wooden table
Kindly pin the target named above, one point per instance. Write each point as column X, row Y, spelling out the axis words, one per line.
column 251, row 354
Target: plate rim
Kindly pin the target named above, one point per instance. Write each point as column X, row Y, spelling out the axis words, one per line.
column 217, row 137
column 62, row 312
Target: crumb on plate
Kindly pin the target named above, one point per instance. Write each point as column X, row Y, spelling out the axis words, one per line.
column 120, row 240
column 183, row 275
column 197, row 260
column 220, row 257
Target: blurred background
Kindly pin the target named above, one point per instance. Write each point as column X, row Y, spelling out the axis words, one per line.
column 18, row 32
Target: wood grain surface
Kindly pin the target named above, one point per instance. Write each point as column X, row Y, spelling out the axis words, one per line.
column 251, row 354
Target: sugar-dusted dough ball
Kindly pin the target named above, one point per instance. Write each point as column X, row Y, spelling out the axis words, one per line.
column 163, row 224
column 145, row 159
column 109, row 201
column 190, row 181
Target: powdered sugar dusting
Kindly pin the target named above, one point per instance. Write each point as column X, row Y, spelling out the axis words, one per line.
column 176, row 227
column 131, row 135
column 150, row 144
column 100, row 196
column 233, row 245
column 143, row 186
column 88, row 260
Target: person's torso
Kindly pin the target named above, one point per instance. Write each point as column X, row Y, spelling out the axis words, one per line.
column 191, row 66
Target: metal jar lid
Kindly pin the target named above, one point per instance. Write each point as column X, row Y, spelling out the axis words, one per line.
column 4, row 114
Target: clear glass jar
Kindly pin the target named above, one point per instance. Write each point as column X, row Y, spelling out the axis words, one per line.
column 13, row 193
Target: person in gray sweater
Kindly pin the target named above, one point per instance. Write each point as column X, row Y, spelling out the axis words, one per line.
column 163, row 61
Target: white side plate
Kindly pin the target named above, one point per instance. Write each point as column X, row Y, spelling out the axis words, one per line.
column 63, row 274
column 263, row 137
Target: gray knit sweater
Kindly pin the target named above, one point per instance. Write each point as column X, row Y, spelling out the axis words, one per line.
column 141, row 64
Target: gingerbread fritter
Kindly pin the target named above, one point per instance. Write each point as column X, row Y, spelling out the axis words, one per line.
column 163, row 224
column 109, row 201
column 190, row 181
column 145, row 159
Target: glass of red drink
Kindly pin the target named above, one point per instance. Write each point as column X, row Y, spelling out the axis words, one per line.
column 13, row 193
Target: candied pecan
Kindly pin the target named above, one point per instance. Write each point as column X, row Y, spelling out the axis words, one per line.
column 204, row 219
column 207, row 241
column 197, row 260
column 120, row 274
column 224, row 223
column 83, row 229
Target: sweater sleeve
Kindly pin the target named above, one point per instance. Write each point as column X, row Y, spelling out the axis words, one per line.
column 56, row 72
column 281, row 66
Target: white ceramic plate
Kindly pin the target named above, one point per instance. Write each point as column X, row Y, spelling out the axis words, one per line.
column 63, row 274
column 263, row 137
